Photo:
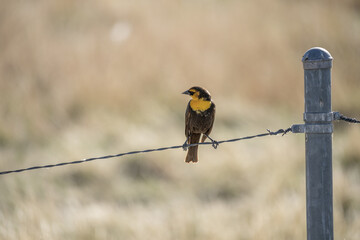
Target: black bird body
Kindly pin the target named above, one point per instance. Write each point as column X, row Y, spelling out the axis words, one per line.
column 199, row 122
column 199, row 119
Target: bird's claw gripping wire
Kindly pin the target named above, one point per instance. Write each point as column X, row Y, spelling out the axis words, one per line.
column 185, row 145
column 214, row 144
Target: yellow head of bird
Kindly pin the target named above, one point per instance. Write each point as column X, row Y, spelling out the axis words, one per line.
column 198, row 93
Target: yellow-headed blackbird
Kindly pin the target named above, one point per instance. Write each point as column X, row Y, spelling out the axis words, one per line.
column 199, row 119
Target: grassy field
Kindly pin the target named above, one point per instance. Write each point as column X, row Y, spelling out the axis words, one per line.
column 80, row 79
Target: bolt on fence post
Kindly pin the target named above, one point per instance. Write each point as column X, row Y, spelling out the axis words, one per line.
column 317, row 64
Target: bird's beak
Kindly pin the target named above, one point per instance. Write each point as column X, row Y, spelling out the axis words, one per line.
column 187, row 92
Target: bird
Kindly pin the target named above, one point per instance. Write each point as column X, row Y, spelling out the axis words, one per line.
column 199, row 119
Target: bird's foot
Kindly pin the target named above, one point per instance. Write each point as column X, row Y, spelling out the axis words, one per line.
column 185, row 145
column 215, row 144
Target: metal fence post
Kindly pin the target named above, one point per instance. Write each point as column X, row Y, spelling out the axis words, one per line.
column 318, row 130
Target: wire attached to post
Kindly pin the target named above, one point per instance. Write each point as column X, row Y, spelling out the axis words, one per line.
column 339, row 116
column 269, row 133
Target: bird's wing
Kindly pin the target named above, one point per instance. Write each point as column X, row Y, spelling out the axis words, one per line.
column 212, row 116
column 187, row 120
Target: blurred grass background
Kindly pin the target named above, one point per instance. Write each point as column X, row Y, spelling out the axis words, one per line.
column 81, row 79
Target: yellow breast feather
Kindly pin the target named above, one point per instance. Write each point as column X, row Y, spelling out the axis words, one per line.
column 200, row 105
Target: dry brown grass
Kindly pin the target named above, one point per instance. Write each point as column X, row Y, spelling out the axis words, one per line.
column 88, row 78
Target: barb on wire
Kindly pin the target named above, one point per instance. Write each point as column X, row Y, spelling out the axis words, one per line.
column 269, row 133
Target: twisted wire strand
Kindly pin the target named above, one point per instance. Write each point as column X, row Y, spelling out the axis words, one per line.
column 269, row 133
column 347, row 119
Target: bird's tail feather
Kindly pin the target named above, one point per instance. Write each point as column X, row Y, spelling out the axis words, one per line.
column 192, row 154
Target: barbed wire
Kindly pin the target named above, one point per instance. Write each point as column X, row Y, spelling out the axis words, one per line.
column 268, row 133
column 337, row 116
column 347, row 119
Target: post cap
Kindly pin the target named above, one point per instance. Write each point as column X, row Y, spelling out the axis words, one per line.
column 316, row 58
